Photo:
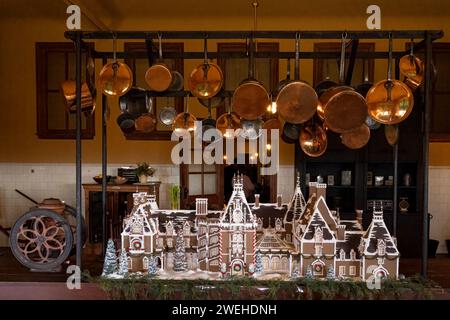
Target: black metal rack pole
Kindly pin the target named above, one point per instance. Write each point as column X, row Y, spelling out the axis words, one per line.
column 79, row 235
column 274, row 34
column 395, row 210
column 426, row 127
column 104, row 165
column 304, row 55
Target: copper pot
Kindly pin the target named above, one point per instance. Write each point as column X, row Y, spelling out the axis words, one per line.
column 147, row 121
column 297, row 101
column 206, row 80
column 346, row 109
column 357, row 138
column 159, row 77
column 313, row 140
column 390, row 101
column 215, row 101
column 229, row 121
column 68, row 89
column 250, row 99
column 184, row 121
column 115, row 78
column 412, row 68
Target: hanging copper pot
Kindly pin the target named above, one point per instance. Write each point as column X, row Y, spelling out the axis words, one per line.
column 313, row 140
column 412, row 68
column 206, row 80
column 159, row 77
column 147, row 121
column 68, row 89
column 357, row 138
column 250, row 99
column 115, row 78
column 229, row 121
column 184, row 121
column 390, row 101
column 215, row 101
column 297, row 101
column 346, row 109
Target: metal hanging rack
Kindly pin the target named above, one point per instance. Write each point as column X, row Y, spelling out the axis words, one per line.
column 78, row 37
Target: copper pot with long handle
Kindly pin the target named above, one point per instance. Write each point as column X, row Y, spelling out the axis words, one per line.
column 229, row 123
column 313, row 139
column 147, row 121
column 297, row 101
column 250, row 99
column 115, row 78
column 390, row 101
column 206, row 80
column 184, row 121
column 158, row 76
column 346, row 109
column 412, row 68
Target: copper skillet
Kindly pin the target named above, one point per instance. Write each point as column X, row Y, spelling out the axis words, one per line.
column 297, row 101
column 206, row 80
column 390, row 101
column 412, row 68
column 229, row 123
column 250, row 99
column 346, row 109
column 313, row 139
column 159, row 77
column 357, row 138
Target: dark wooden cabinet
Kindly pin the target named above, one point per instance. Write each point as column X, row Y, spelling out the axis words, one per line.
column 119, row 204
column 376, row 157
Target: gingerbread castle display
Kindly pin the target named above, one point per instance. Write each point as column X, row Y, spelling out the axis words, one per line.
column 295, row 239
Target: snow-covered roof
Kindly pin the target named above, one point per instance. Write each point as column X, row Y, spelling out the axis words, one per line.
column 317, row 220
column 378, row 231
column 269, row 213
column 351, row 241
column 297, row 204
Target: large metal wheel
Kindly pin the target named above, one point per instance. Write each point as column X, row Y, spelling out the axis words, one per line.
column 41, row 239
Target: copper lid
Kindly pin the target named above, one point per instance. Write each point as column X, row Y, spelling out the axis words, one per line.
column 356, row 138
column 250, row 100
column 345, row 111
column 297, row 102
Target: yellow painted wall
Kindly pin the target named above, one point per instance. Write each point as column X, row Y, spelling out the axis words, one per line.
column 18, row 34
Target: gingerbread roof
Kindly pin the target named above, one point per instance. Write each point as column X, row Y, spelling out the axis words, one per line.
column 317, row 220
column 270, row 241
column 378, row 231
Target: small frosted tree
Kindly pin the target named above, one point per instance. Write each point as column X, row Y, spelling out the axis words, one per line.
column 123, row 263
column 330, row 273
column 180, row 262
column 309, row 274
column 152, row 267
column 258, row 263
column 110, row 263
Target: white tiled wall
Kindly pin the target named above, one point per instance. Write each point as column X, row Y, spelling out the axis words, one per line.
column 41, row 181
column 286, row 182
column 439, row 205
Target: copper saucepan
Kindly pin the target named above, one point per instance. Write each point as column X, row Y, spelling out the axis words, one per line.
column 159, row 77
column 313, row 139
column 147, row 121
column 229, row 123
column 390, row 101
column 206, row 80
column 184, row 121
column 412, row 68
column 357, row 138
column 346, row 109
column 250, row 99
column 115, row 78
column 297, row 101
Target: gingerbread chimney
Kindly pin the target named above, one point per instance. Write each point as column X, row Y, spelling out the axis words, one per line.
column 359, row 216
column 256, row 201
column 340, row 232
column 201, row 206
column 279, row 199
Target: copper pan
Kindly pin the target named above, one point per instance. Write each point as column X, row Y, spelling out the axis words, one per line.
column 206, row 80
column 115, row 78
column 313, row 140
column 184, row 121
column 412, row 68
column 357, row 138
column 147, row 121
column 215, row 101
column 229, row 121
column 250, row 99
column 297, row 101
column 68, row 89
column 346, row 109
column 159, row 77
column 390, row 101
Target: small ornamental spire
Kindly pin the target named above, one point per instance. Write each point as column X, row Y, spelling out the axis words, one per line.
column 298, row 179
